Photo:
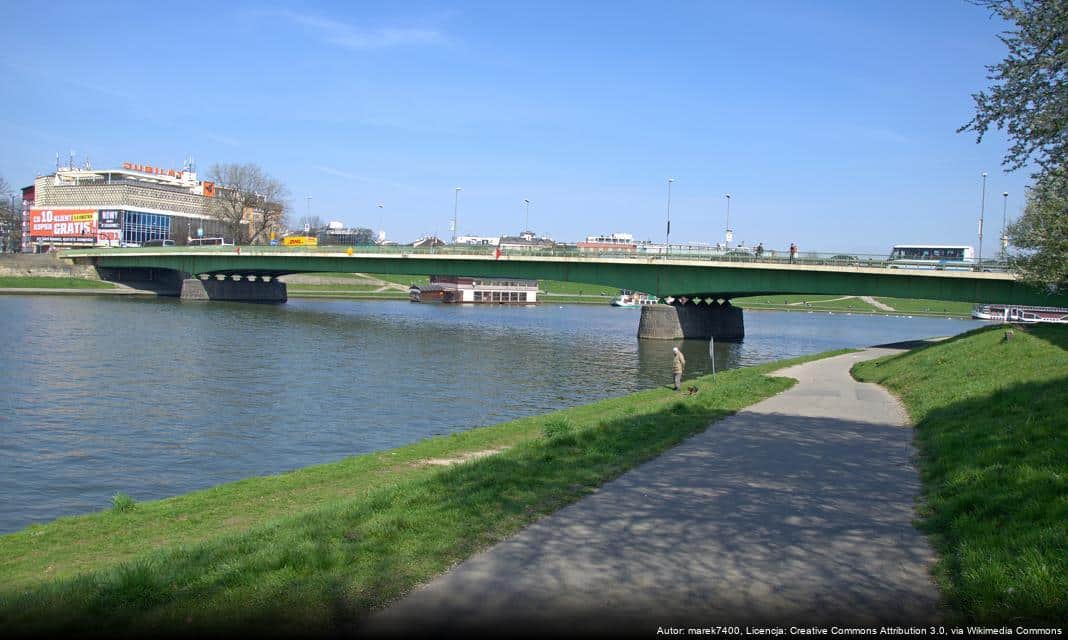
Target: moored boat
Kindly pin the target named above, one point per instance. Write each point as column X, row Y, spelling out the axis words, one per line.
column 1020, row 313
column 633, row 300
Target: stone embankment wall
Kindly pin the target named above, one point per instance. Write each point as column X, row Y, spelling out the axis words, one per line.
column 44, row 266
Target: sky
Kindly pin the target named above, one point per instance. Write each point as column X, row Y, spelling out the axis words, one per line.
column 831, row 124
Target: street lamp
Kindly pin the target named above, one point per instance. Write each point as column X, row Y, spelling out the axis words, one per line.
column 667, row 238
column 307, row 214
column 526, row 219
column 455, row 209
column 982, row 211
column 729, row 235
column 1004, row 224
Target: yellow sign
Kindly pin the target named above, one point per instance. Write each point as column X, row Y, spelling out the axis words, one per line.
column 300, row 241
column 83, row 217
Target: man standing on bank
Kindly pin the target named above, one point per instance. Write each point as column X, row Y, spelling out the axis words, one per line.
column 677, row 367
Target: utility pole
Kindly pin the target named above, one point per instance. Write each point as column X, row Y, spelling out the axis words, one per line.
column 455, row 210
column 667, row 237
column 982, row 211
column 1004, row 225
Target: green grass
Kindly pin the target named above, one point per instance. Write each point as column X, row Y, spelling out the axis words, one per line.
column 820, row 302
column 313, row 550
column 942, row 307
column 992, row 431
column 38, row 282
column 331, row 288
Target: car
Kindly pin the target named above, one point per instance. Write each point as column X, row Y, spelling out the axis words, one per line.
column 158, row 243
column 844, row 259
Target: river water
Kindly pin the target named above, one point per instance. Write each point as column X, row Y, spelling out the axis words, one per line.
column 156, row 397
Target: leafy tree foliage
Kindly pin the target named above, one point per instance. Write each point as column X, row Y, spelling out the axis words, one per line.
column 1029, row 100
column 1042, row 231
column 1029, row 97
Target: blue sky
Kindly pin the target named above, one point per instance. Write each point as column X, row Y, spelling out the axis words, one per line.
column 832, row 124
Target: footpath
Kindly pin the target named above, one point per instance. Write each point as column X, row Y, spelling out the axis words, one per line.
column 796, row 511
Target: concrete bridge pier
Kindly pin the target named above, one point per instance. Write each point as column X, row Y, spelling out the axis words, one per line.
column 692, row 322
column 234, row 288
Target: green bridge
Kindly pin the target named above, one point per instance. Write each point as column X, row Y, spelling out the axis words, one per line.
column 250, row 273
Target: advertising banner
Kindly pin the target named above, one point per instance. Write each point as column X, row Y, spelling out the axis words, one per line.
column 110, row 219
column 75, row 226
column 109, row 237
column 300, row 241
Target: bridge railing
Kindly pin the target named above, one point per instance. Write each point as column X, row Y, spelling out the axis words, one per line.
column 735, row 255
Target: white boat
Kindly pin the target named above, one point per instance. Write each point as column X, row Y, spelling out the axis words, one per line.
column 633, row 300
column 1020, row 313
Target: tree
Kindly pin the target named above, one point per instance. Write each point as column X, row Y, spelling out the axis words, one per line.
column 247, row 200
column 1029, row 97
column 10, row 220
column 1029, row 100
column 1042, row 231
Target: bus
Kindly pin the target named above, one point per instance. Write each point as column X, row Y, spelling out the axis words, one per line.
column 932, row 256
column 207, row 242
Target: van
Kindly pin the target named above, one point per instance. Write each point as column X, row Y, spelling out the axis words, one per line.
column 158, row 243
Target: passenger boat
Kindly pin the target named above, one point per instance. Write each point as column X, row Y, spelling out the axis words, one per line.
column 1020, row 313
column 633, row 300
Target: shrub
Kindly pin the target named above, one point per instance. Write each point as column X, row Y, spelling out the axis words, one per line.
column 121, row 503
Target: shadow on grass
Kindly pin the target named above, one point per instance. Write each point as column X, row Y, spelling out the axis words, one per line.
column 765, row 518
column 995, row 472
column 1056, row 335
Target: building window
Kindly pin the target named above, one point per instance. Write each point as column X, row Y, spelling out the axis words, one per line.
column 138, row 228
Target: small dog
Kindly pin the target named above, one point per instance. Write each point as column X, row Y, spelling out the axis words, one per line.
column 691, row 391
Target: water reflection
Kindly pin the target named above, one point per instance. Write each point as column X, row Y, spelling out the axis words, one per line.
column 158, row 397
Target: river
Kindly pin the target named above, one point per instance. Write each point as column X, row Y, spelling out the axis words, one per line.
column 156, row 397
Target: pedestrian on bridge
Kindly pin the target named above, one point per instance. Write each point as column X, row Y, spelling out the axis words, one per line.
column 793, row 252
column 677, row 367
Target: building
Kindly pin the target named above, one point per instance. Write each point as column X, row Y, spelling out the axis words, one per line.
column 477, row 240
column 79, row 207
column 335, row 233
column 525, row 241
column 427, row 242
column 616, row 242
column 458, row 289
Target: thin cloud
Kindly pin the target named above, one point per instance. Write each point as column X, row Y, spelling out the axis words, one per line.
column 356, row 39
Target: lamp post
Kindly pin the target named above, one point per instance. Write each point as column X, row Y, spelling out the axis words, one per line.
column 728, row 234
column 307, row 213
column 982, row 211
column 526, row 219
column 667, row 238
column 1004, row 224
column 455, row 210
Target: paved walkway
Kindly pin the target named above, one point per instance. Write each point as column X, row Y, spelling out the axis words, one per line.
column 796, row 511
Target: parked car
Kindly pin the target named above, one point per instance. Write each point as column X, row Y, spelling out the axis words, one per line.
column 158, row 243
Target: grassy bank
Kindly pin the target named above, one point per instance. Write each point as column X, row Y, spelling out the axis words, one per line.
column 855, row 304
column 993, row 437
column 313, row 550
column 39, row 282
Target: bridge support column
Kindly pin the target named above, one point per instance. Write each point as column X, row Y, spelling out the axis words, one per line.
column 692, row 322
column 242, row 290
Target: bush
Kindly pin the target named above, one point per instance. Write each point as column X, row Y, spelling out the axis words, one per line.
column 121, row 503
column 558, row 429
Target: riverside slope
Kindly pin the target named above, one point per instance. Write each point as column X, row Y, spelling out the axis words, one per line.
column 797, row 510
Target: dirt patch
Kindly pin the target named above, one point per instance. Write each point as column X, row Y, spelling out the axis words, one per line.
column 465, row 457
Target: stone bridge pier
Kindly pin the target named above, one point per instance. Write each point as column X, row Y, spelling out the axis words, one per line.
column 235, row 288
column 692, row 320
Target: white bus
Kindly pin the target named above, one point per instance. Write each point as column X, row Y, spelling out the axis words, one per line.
column 932, row 256
column 207, row 242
